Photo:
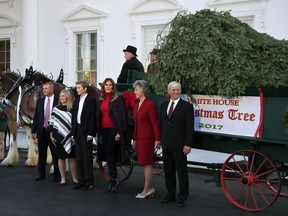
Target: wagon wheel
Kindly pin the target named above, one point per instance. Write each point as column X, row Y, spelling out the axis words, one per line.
column 283, row 170
column 245, row 179
column 124, row 170
column 158, row 168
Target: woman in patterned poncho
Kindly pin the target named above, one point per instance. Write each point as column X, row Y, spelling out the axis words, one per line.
column 60, row 133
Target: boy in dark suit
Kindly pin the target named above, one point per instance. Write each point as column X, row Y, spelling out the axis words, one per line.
column 83, row 130
column 40, row 124
column 177, row 130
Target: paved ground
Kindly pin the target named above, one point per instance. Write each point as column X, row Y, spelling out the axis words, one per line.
column 20, row 195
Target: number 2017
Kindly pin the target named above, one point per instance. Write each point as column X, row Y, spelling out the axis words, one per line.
column 210, row 126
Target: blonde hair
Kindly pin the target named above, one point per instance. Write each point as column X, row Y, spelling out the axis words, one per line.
column 70, row 98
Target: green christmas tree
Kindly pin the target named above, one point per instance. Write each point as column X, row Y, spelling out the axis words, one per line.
column 213, row 52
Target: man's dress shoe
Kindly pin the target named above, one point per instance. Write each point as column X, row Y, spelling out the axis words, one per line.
column 168, row 199
column 87, row 187
column 39, row 178
column 78, row 186
column 56, row 179
column 181, row 203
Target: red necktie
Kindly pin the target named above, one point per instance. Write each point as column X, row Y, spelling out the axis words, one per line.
column 170, row 110
column 47, row 113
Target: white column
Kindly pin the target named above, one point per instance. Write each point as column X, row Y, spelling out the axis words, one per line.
column 29, row 28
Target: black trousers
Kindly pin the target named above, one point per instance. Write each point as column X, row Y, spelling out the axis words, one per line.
column 84, row 158
column 43, row 143
column 111, row 149
column 176, row 161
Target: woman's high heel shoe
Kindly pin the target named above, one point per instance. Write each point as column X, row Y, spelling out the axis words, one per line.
column 149, row 194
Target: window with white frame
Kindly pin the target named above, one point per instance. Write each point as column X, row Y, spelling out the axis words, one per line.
column 4, row 54
column 86, row 57
column 150, row 34
column 249, row 21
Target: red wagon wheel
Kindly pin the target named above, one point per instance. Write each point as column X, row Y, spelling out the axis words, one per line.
column 124, row 170
column 245, row 179
column 283, row 170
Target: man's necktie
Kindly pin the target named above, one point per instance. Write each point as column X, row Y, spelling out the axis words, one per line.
column 171, row 110
column 47, row 113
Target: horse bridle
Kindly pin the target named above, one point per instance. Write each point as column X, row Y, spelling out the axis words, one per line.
column 19, row 112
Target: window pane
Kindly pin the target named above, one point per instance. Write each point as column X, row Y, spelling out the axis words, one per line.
column 79, row 39
column 8, row 45
column 86, row 52
column 2, row 67
column 8, row 56
column 86, row 65
column 2, row 57
column 86, row 57
column 93, row 65
column 79, row 76
column 93, row 78
column 2, row 45
column 80, row 64
column 93, row 38
column 79, row 52
column 93, row 51
column 248, row 21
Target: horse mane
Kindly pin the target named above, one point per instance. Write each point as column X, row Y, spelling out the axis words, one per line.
column 43, row 75
column 13, row 74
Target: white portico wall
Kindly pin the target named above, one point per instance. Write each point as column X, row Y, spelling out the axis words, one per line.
column 43, row 32
column 29, row 34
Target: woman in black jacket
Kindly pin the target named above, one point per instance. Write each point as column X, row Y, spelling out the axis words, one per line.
column 112, row 128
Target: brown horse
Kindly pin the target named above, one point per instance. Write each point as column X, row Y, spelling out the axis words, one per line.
column 21, row 98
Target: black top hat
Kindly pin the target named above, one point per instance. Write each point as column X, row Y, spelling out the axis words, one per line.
column 131, row 49
column 154, row 51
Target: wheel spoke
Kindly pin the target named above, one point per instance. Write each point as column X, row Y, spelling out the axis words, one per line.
column 253, row 197
column 240, row 191
column 261, row 193
column 264, row 188
column 233, row 187
column 261, row 165
column 265, row 173
column 249, row 170
column 232, row 169
column 231, row 178
column 237, row 164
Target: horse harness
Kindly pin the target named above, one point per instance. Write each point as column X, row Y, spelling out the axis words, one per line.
column 22, row 117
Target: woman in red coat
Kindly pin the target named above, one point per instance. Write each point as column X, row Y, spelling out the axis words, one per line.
column 146, row 134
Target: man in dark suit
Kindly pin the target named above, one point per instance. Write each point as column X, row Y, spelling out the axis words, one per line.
column 177, row 131
column 83, row 130
column 40, row 124
column 132, row 63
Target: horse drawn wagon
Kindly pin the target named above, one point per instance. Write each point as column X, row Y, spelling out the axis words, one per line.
column 251, row 128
